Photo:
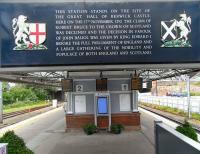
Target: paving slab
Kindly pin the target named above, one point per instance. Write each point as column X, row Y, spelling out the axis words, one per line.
column 101, row 143
column 45, row 134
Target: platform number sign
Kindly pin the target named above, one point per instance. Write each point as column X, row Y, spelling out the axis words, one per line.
column 79, row 88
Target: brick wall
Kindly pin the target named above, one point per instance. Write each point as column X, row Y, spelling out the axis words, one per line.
column 126, row 119
column 78, row 121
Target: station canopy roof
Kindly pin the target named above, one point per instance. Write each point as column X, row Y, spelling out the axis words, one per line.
column 50, row 77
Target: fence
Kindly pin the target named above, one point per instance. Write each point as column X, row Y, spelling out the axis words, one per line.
column 174, row 102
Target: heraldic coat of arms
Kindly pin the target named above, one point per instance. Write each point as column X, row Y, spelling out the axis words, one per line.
column 28, row 36
column 174, row 33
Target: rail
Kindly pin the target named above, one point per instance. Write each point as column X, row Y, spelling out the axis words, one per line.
column 13, row 114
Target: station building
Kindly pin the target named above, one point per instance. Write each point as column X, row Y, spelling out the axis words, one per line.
column 102, row 102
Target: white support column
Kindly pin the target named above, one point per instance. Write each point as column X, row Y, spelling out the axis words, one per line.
column 188, row 97
column 109, row 108
column 95, row 109
column 135, row 100
column 65, row 101
column 1, row 103
column 68, row 103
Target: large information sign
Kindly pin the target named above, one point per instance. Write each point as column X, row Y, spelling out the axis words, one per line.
column 99, row 33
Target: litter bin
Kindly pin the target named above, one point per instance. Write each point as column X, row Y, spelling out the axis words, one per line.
column 55, row 103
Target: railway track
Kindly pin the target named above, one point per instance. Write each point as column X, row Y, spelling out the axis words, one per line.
column 169, row 118
column 13, row 114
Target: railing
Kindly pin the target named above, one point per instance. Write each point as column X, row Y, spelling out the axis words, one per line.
column 174, row 102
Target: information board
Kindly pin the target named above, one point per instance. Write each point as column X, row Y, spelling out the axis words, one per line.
column 63, row 34
column 136, row 83
column 67, row 85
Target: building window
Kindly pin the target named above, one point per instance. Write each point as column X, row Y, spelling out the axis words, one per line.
column 80, row 104
column 125, row 102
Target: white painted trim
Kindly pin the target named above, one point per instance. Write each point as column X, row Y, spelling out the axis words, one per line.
column 96, row 93
column 102, row 94
column 84, row 80
column 120, row 92
column 73, row 106
column 107, row 95
column 69, row 112
column 109, row 79
column 135, row 110
column 134, row 101
column 82, row 93
column 68, row 103
column 114, row 79
column 95, row 110
column 109, row 108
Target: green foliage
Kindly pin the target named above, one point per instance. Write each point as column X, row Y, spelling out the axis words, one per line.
column 16, row 144
column 7, row 98
column 197, row 84
column 188, row 131
column 25, row 93
column 22, row 106
column 116, row 128
column 176, row 111
column 90, row 129
column 166, row 109
column 196, row 116
column 21, row 93
column 40, row 92
column 30, row 47
column 18, row 93
column 5, row 86
column 194, row 93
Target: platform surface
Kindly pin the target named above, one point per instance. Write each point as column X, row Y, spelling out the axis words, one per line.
column 46, row 134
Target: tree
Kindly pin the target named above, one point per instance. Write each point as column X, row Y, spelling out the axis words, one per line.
column 27, row 93
column 5, row 86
